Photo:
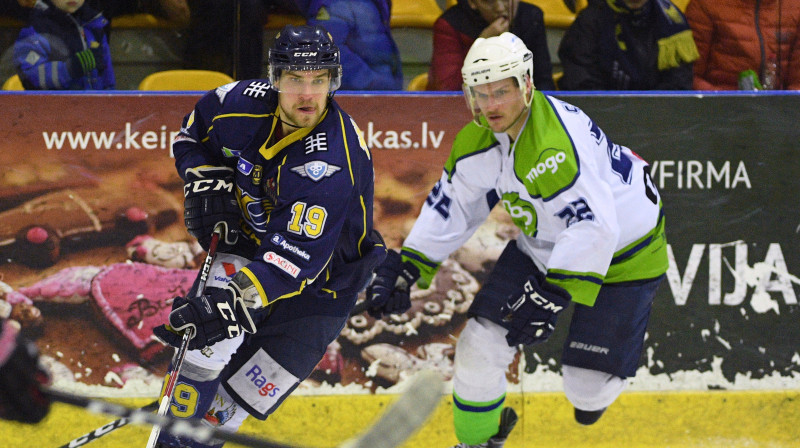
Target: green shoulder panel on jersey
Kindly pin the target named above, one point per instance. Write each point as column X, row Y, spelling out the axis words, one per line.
column 545, row 160
column 469, row 140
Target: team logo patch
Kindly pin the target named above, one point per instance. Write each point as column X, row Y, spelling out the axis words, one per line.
column 244, row 167
column 256, row 89
column 282, row 264
column 258, row 174
column 316, row 142
column 316, row 170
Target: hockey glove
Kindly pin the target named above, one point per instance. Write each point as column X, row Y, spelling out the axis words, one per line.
column 389, row 291
column 81, row 64
column 21, row 378
column 222, row 314
column 208, row 200
column 530, row 316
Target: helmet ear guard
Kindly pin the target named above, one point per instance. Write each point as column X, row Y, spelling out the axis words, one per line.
column 494, row 59
column 305, row 47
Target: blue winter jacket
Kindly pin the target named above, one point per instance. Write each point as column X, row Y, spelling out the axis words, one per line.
column 45, row 45
column 361, row 30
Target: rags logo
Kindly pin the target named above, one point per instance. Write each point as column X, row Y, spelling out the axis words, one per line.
column 265, row 387
column 261, row 381
column 230, row 271
column 279, row 240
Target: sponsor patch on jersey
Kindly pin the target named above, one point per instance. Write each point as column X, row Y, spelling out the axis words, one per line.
column 549, row 161
column 224, row 268
column 280, row 241
column 244, row 167
column 316, row 170
column 282, row 264
column 228, row 152
column 261, row 381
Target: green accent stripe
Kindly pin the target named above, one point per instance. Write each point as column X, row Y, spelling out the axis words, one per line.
column 582, row 286
column 427, row 268
column 649, row 261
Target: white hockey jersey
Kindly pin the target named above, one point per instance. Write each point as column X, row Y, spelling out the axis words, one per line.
column 587, row 209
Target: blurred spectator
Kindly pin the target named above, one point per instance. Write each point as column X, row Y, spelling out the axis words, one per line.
column 458, row 27
column 212, row 34
column 17, row 9
column 738, row 35
column 360, row 28
column 628, row 45
column 64, row 47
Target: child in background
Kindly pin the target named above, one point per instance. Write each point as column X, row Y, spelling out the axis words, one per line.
column 64, row 47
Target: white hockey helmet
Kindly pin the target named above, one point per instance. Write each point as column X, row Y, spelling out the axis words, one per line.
column 494, row 59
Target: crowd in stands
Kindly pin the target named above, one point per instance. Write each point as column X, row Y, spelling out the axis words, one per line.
column 610, row 45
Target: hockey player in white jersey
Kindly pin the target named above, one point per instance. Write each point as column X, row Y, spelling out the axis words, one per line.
column 591, row 236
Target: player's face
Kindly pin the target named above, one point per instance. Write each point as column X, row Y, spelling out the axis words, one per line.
column 303, row 96
column 501, row 102
column 68, row 6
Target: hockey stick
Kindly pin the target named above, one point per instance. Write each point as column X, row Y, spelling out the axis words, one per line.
column 177, row 360
column 399, row 422
column 105, row 429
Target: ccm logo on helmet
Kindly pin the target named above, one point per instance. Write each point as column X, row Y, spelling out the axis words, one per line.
column 305, row 53
column 202, row 185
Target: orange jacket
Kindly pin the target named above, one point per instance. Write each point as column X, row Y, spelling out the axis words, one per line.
column 737, row 35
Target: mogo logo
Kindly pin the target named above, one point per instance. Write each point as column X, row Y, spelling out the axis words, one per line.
column 548, row 162
column 522, row 213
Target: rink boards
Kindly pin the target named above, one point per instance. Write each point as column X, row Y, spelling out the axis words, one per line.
column 720, row 366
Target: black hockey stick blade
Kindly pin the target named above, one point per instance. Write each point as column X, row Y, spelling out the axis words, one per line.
column 105, row 429
column 399, row 422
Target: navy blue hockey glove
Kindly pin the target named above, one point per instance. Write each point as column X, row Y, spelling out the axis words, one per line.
column 389, row 291
column 21, row 378
column 81, row 63
column 530, row 316
column 221, row 314
column 208, row 200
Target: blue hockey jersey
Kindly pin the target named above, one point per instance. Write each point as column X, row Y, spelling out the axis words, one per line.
column 306, row 198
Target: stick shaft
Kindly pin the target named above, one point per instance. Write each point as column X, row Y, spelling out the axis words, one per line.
column 180, row 355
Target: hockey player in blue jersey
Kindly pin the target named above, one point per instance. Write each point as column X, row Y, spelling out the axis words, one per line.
column 591, row 237
column 288, row 174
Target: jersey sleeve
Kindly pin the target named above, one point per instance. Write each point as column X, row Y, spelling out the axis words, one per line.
column 192, row 147
column 457, row 205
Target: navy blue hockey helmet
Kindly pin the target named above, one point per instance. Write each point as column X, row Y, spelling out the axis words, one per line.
column 304, row 47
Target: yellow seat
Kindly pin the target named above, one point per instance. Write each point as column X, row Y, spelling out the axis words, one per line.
column 278, row 21
column 556, row 13
column 419, row 82
column 414, row 13
column 141, row 21
column 13, row 83
column 184, row 80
